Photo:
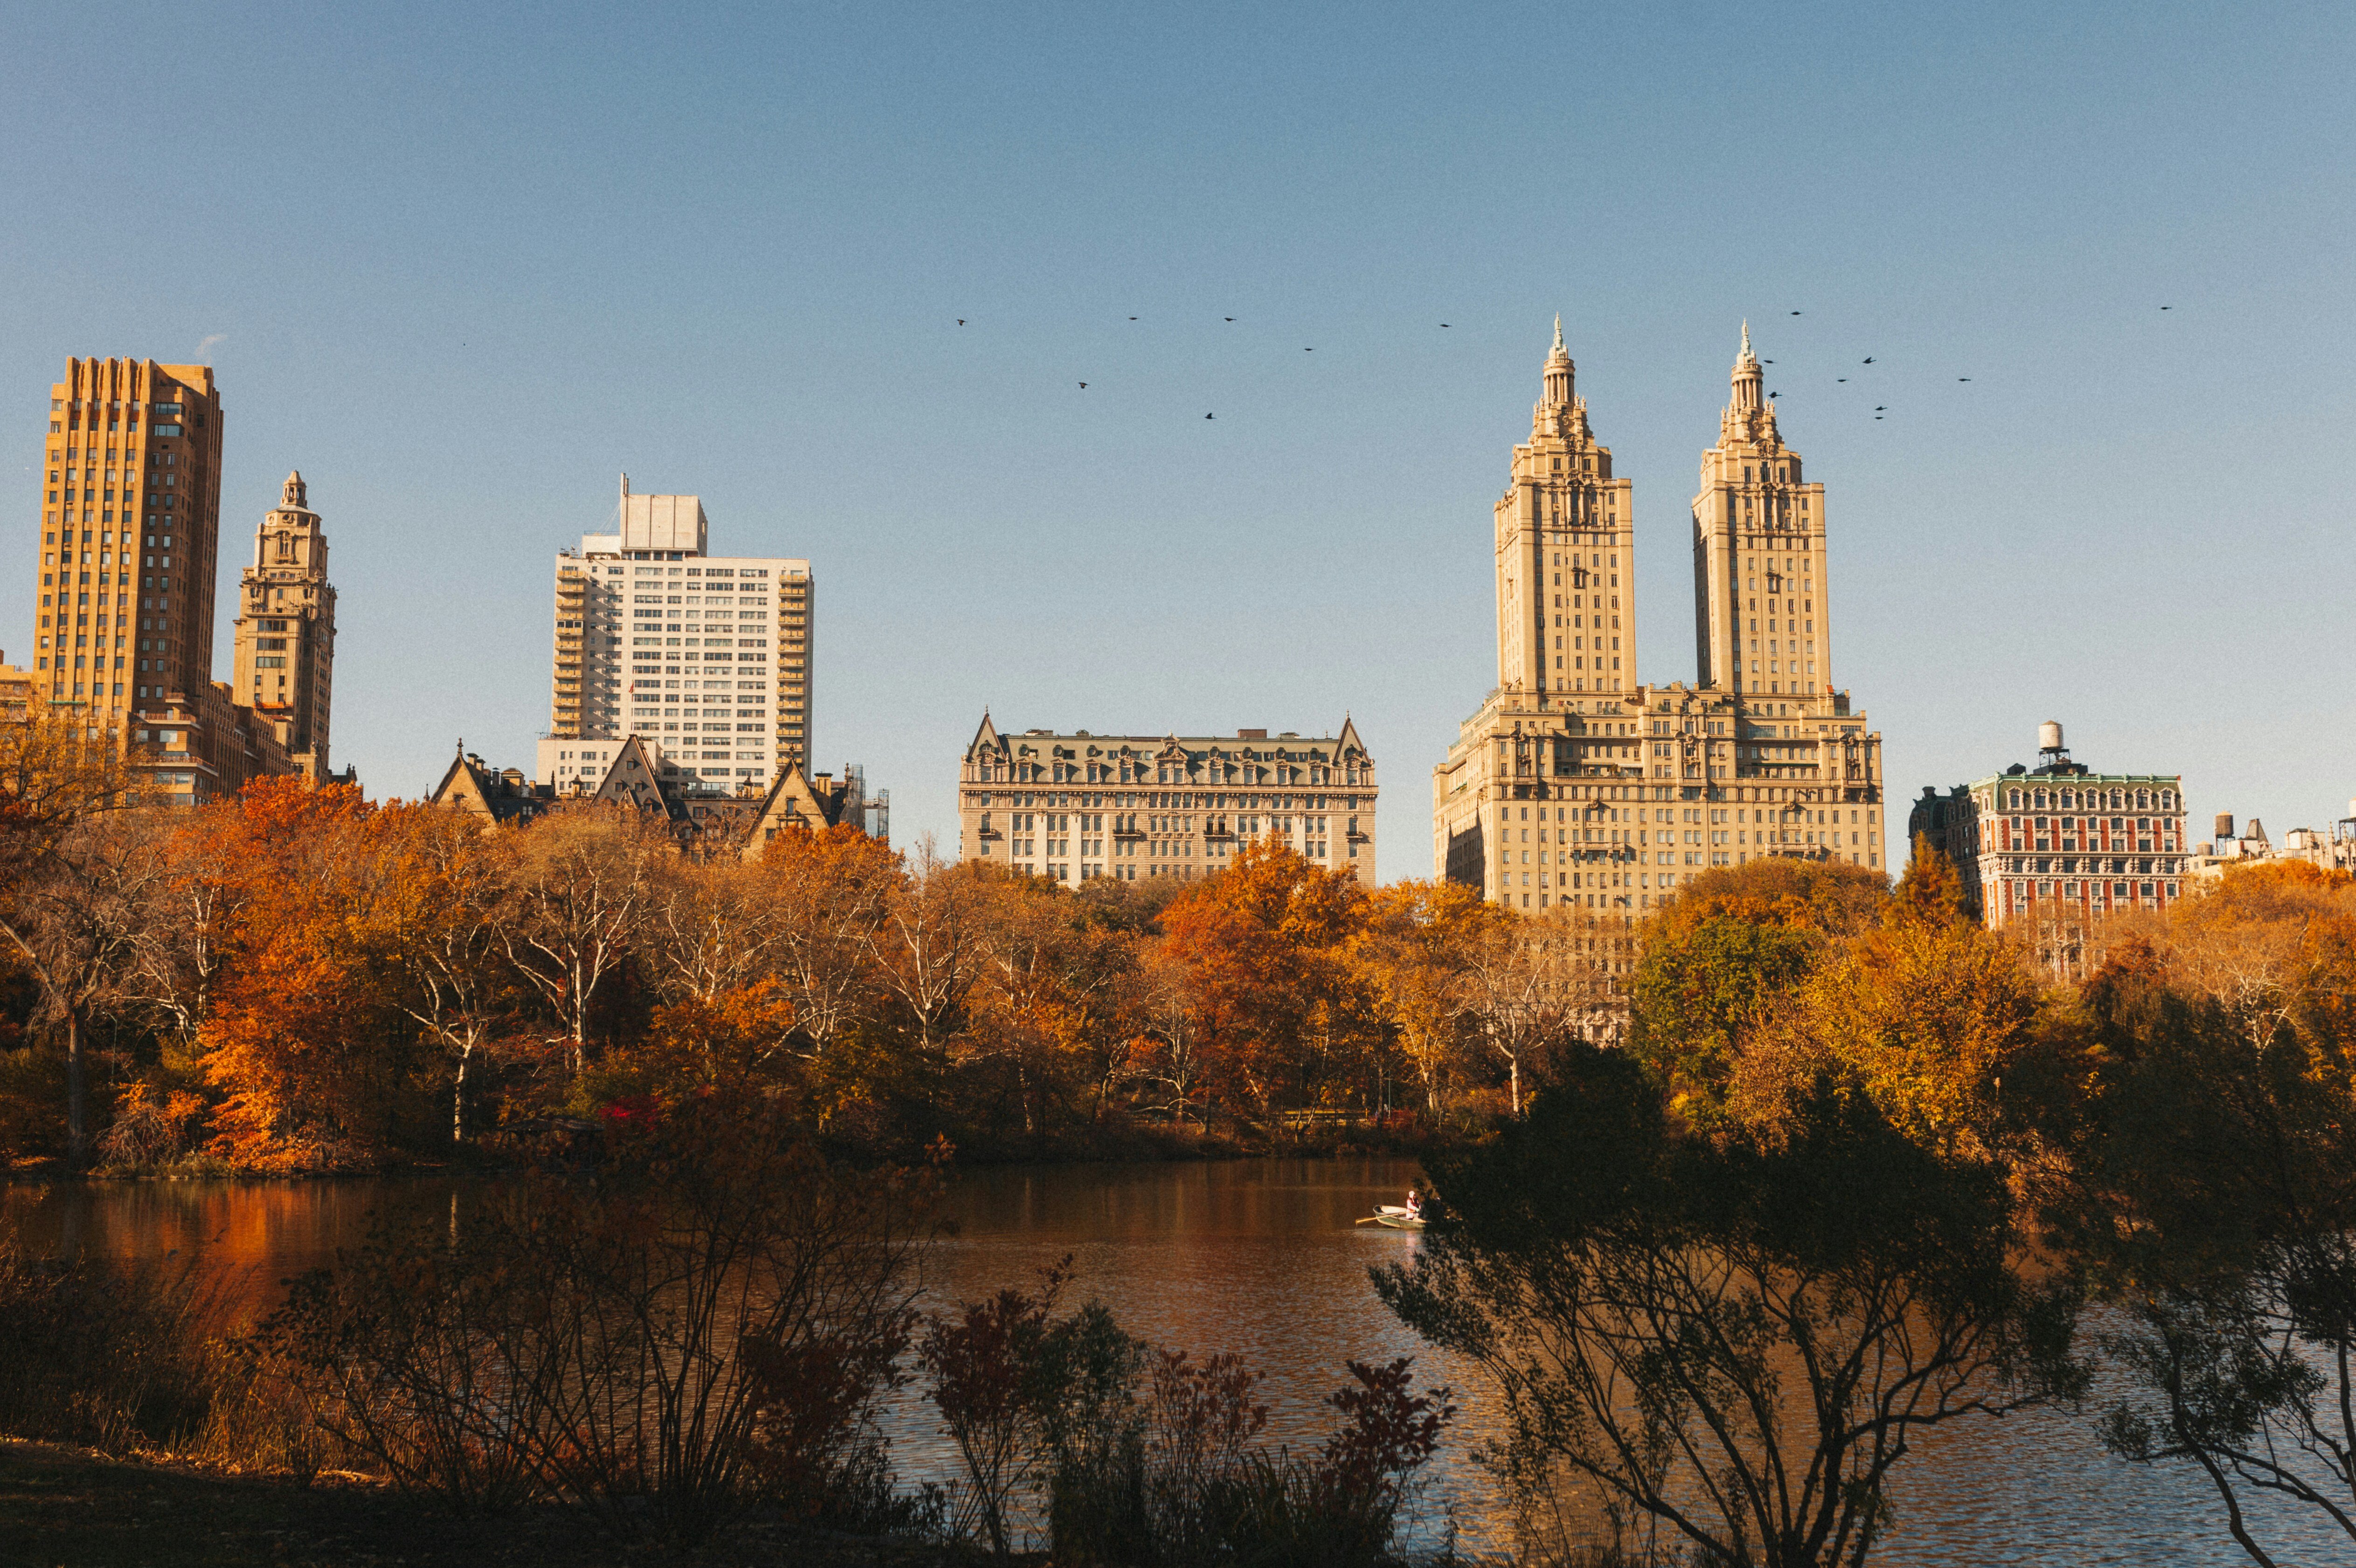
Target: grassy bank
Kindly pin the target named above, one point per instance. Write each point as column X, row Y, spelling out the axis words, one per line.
column 81, row 1508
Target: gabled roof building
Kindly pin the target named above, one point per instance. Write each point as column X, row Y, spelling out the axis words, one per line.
column 640, row 778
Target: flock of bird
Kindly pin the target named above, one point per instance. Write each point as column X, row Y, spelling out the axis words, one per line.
column 1880, row 411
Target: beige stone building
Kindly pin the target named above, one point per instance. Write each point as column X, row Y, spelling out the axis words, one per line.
column 1072, row 808
column 1577, row 782
column 130, row 537
column 641, row 650
column 285, row 630
column 133, row 451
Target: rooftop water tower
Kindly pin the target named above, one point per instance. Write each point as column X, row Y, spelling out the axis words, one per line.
column 2051, row 754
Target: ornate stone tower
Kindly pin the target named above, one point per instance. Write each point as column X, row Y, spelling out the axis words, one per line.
column 1566, row 575
column 1758, row 535
column 1576, row 785
column 1560, row 726
column 286, row 629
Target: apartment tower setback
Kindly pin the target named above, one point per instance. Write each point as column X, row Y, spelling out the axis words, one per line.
column 707, row 657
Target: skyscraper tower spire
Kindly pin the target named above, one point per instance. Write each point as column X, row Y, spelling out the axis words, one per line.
column 1744, row 406
column 1560, row 380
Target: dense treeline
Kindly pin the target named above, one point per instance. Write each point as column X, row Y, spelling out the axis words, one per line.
column 1765, row 1187
column 303, row 980
column 1861, row 1171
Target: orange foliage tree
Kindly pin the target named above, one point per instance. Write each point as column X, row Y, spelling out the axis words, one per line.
column 304, row 1039
column 1275, row 996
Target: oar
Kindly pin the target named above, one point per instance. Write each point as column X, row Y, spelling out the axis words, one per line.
column 1369, row 1220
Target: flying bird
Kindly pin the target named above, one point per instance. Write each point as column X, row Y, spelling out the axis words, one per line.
column 2167, row 307
column 1309, row 351
column 1962, row 378
column 1084, row 386
column 1774, row 394
column 1795, row 312
column 1840, row 378
column 1444, row 324
column 1869, row 358
column 1230, row 318
column 960, row 321
column 1879, row 406
column 1207, row 416
column 1132, row 318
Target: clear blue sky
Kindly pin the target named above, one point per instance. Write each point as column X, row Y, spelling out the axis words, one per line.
column 463, row 264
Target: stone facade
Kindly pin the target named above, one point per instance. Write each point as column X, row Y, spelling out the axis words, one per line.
column 286, row 631
column 1072, row 808
column 2059, row 843
column 1575, row 783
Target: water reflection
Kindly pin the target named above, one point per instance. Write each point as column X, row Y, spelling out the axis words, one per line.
column 1259, row 1258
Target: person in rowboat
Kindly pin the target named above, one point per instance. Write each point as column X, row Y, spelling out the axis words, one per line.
column 1414, row 1204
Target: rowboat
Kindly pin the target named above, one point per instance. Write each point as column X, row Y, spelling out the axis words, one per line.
column 1400, row 1222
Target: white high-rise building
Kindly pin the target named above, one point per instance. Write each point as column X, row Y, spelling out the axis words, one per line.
column 705, row 656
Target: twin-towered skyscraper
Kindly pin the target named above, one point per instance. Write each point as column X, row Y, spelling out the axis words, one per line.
column 1577, row 784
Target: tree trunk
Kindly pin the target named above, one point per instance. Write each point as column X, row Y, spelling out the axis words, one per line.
column 458, row 1097
column 77, row 1090
column 1513, row 1065
column 580, row 1024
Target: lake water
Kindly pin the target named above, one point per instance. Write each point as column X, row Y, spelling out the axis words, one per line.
column 1259, row 1258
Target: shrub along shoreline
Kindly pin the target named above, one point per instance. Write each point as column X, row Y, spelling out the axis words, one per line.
column 690, row 1351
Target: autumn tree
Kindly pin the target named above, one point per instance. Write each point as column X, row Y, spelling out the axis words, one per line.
column 1536, row 985
column 450, row 905
column 73, row 877
column 1267, row 944
column 584, row 884
column 1730, row 1339
column 306, row 1040
column 929, row 947
column 1728, row 953
column 832, row 889
column 1057, row 995
column 78, row 918
column 1925, row 1011
column 1419, row 952
column 721, row 921
column 2209, row 1193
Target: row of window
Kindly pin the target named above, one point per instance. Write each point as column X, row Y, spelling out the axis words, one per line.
column 2088, row 799
column 1198, row 801
column 2091, row 865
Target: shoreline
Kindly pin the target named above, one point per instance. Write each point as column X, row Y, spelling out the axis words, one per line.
column 1150, row 1150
